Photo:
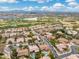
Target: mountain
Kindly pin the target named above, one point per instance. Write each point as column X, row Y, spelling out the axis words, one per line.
column 38, row 12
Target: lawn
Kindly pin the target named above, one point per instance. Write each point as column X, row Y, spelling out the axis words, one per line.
column 78, row 49
column 53, row 42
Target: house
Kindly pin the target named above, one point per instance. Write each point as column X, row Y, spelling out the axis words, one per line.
column 7, row 52
column 71, row 32
column 7, row 30
column 22, row 52
column 23, row 57
column 72, row 57
column 33, row 48
column 12, row 34
column 57, row 26
column 44, row 47
column 38, row 38
column 5, row 35
column 49, row 35
column 35, row 37
column 27, row 33
column 62, row 47
column 45, row 57
column 75, row 41
column 35, row 18
column 2, row 46
column 27, row 39
column 62, row 40
column 10, row 40
column 20, row 39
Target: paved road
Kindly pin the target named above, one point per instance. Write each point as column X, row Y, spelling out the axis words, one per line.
column 74, row 50
column 51, row 47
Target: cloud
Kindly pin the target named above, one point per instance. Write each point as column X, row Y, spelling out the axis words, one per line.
column 41, row 1
column 55, row 7
column 38, row 1
column 73, row 4
column 8, row 1
column 25, row 0
column 77, row 7
column 58, row 6
column 70, row 0
column 70, row 9
column 44, row 8
column 30, row 8
column 4, row 8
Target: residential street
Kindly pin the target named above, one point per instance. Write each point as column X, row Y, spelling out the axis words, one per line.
column 73, row 48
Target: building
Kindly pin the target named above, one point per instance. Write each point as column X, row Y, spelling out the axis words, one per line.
column 62, row 47
column 45, row 57
column 33, row 48
column 22, row 52
column 75, row 41
column 34, row 19
column 72, row 57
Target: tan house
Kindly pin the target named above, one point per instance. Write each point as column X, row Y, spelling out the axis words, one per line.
column 10, row 40
column 45, row 57
column 72, row 57
column 33, row 48
column 20, row 39
column 22, row 52
column 62, row 47
column 75, row 41
column 44, row 47
column 63, row 40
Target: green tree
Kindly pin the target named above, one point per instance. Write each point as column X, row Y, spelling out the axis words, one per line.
column 14, row 54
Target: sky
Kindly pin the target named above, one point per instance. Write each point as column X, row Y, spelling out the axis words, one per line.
column 40, row 5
